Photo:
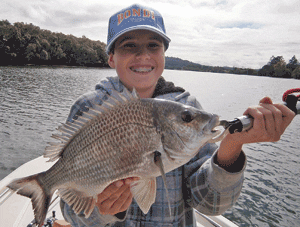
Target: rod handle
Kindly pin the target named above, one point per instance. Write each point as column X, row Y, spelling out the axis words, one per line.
column 244, row 123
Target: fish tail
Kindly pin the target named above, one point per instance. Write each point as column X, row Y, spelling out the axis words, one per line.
column 32, row 188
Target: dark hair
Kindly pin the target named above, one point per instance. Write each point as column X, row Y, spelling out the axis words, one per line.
column 112, row 48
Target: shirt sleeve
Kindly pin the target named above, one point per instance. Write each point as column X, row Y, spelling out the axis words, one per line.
column 209, row 188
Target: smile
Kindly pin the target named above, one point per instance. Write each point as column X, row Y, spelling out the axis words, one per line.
column 142, row 70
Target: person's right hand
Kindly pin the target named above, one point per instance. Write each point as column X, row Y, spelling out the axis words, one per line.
column 116, row 197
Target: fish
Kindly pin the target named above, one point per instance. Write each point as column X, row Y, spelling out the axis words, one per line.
column 126, row 136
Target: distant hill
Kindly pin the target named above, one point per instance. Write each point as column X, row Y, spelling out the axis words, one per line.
column 179, row 64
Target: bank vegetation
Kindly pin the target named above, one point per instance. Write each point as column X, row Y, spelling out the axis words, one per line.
column 27, row 44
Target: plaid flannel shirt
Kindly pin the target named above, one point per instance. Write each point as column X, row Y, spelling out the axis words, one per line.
column 200, row 184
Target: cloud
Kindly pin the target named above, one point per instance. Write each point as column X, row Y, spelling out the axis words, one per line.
column 238, row 33
column 240, row 24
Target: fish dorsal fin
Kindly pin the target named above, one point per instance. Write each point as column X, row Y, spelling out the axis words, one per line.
column 70, row 129
column 144, row 193
column 159, row 164
column 78, row 202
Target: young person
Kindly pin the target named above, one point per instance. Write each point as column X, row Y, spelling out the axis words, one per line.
column 211, row 182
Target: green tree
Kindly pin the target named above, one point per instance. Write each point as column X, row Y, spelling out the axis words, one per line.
column 281, row 70
column 293, row 64
column 296, row 73
column 275, row 60
column 4, row 23
column 44, row 55
column 28, row 44
column 276, row 67
column 45, row 44
column 30, row 52
column 266, row 70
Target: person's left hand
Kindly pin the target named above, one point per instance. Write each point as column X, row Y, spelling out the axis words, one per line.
column 116, row 197
column 270, row 122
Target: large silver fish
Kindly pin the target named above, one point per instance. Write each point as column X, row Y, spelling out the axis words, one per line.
column 117, row 140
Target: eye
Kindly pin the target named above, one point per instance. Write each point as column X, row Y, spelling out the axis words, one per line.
column 153, row 45
column 129, row 45
column 187, row 116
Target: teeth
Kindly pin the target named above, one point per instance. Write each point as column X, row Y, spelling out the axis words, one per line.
column 142, row 70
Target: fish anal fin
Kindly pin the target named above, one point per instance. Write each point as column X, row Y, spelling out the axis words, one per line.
column 79, row 201
column 144, row 193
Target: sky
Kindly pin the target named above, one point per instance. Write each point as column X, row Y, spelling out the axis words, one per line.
column 235, row 33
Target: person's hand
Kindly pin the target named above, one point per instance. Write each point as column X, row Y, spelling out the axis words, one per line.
column 116, row 197
column 270, row 122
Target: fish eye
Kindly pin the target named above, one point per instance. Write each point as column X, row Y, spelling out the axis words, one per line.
column 187, row 116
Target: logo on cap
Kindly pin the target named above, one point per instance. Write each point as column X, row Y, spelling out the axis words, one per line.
column 135, row 13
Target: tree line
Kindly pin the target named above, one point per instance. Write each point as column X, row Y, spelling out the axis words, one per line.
column 277, row 67
column 25, row 44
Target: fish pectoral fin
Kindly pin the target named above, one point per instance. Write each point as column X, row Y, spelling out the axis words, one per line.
column 159, row 163
column 144, row 193
column 78, row 201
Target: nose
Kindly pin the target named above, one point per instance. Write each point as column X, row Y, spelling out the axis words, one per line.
column 143, row 53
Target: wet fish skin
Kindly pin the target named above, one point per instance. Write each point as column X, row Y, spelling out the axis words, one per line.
column 114, row 141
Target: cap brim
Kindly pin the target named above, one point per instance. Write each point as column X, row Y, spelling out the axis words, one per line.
column 139, row 27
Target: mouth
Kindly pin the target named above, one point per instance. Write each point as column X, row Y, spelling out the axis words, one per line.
column 216, row 129
column 141, row 69
column 212, row 126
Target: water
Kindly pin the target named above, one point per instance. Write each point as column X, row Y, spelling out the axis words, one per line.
column 34, row 101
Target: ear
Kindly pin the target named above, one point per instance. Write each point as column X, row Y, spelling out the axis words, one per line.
column 111, row 60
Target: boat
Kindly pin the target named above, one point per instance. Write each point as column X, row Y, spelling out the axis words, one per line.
column 16, row 210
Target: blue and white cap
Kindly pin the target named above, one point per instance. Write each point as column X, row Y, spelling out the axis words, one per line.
column 135, row 17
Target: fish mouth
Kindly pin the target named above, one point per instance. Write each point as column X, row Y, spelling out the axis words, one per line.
column 212, row 126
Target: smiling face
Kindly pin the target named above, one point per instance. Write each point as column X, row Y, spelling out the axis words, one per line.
column 139, row 59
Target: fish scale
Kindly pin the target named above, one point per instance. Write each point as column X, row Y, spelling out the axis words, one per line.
column 116, row 140
column 120, row 160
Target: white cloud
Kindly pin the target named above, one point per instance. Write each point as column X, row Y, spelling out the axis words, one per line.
column 238, row 33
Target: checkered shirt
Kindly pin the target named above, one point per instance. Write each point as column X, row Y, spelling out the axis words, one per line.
column 200, row 184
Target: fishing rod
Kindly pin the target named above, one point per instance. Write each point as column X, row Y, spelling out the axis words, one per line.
column 245, row 123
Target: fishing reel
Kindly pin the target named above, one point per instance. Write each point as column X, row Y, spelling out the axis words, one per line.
column 49, row 221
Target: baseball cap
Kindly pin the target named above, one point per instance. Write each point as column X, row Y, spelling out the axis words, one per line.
column 135, row 17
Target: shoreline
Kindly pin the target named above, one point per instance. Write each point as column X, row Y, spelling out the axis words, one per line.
column 98, row 67
column 54, row 66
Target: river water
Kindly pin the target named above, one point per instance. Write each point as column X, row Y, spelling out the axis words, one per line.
column 34, row 101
